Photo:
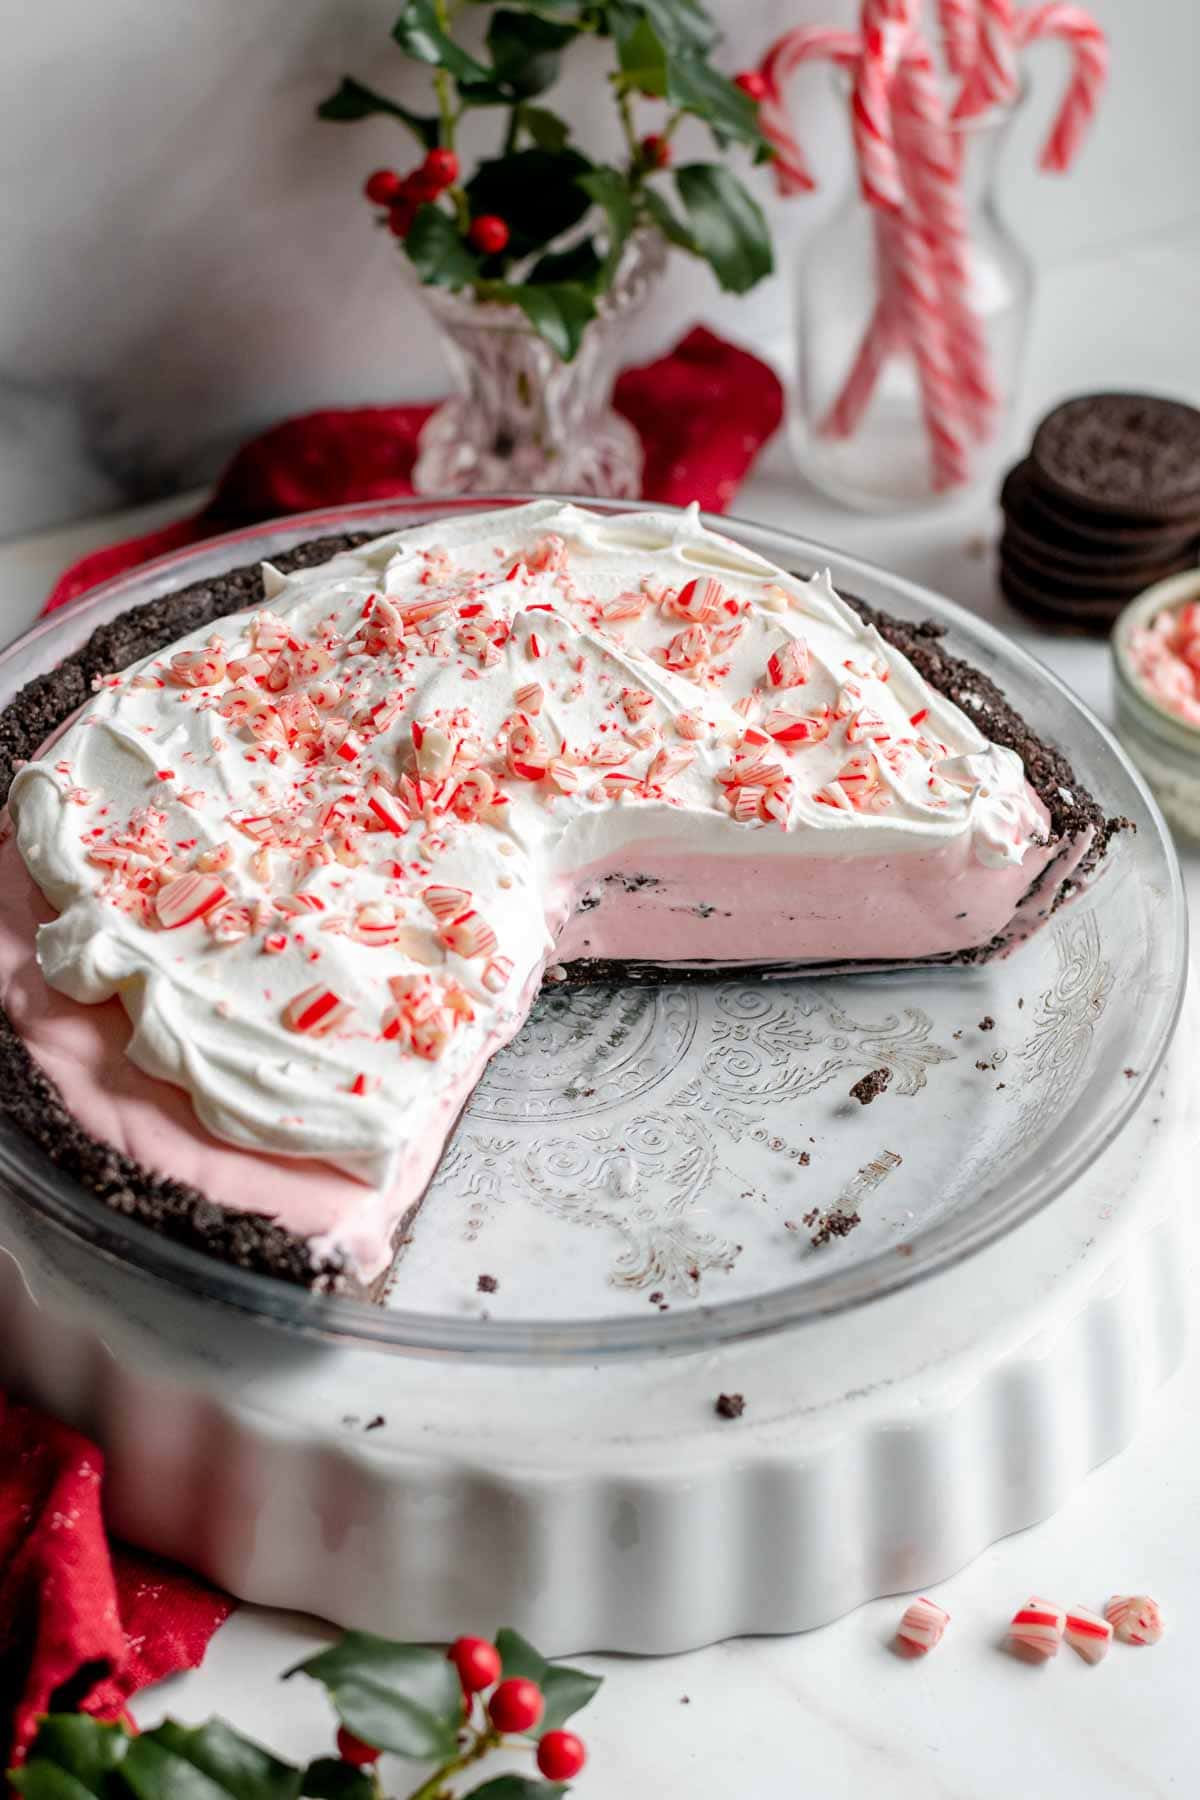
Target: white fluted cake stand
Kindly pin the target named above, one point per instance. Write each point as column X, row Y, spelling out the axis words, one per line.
column 605, row 1504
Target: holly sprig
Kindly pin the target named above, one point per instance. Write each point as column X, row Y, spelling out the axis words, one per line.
column 540, row 225
column 450, row 1708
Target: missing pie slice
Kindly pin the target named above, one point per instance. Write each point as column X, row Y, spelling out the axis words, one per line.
column 297, row 846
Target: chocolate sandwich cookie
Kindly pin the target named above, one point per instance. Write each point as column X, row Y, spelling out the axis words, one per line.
column 1088, row 536
column 1135, row 455
column 1042, row 569
column 1067, row 612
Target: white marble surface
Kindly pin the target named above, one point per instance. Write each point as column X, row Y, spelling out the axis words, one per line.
column 833, row 1712
column 187, row 257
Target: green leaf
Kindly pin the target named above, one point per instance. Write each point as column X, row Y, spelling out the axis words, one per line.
column 331, row 1779
column 694, row 85
column 355, row 101
column 419, row 31
column 437, row 251
column 525, row 51
column 565, row 1690
column 580, row 264
column 536, row 193
column 558, row 311
column 547, row 130
column 672, row 228
column 681, row 24
column 71, row 1757
column 517, row 1787
column 205, row 1762
column 552, row 9
column 610, row 190
column 641, row 56
column 400, row 1697
column 727, row 224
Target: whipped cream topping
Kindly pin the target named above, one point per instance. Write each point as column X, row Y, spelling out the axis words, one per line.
column 318, row 851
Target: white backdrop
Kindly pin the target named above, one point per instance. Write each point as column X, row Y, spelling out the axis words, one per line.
column 186, row 257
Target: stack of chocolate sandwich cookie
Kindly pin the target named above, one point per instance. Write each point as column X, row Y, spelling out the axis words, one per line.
column 1106, row 502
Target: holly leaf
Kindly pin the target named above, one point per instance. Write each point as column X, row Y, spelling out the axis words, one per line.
column 566, row 1691
column 536, row 192
column 681, row 24
column 641, row 56
column 727, row 224
column 672, row 228
column 400, row 1697
column 581, row 263
column 354, row 101
column 72, row 1757
column 558, row 311
column 203, row 1762
column 610, row 190
column 420, row 33
column 328, row 1778
column 525, row 49
column 694, row 85
column 517, row 1787
column 437, row 251
column 547, row 130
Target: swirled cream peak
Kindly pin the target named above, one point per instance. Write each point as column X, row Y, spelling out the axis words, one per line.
column 321, row 850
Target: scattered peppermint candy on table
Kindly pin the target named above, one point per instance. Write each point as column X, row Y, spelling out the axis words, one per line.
column 1135, row 1618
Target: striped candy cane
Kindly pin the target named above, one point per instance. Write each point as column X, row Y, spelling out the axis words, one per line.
column 994, row 79
column 885, row 26
column 931, row 172
column 919, row 305
column 958, row 21
column 1089, row 73
column 809, row 43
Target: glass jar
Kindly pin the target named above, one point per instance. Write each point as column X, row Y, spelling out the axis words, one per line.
column 861, row 414
column 523, row 419
column 1165, row 747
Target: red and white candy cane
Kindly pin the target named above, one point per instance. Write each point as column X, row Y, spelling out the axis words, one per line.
column 1038, row 1627
column 1089, row 1634
column 923, row 1625
column 994, row 79
column 1089, row 73
column 922, row 314
column 807, row 44
column 930, row 163
column 1135, row 1618
column 885, row 28
column 958, row 21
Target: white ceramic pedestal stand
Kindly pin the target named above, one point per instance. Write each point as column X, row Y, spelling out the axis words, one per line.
column 605, row 1505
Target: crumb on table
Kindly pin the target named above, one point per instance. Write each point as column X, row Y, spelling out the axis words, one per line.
column 729, row 1406
column 871, row 1086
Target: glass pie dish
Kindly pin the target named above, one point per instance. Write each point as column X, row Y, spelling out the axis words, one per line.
column 662, row 1168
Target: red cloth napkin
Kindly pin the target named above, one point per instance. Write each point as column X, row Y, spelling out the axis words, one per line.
column 92, row 1624
column 703, row 412
column 80, row 1623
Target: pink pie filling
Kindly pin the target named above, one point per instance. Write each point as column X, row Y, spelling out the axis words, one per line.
column 677, row 907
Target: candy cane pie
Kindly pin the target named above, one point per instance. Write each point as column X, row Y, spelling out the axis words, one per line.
column 292, row 850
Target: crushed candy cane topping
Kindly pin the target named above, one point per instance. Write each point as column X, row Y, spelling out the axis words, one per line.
column 328, row 826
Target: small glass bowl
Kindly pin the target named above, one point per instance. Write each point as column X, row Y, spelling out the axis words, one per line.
column 1165, row 747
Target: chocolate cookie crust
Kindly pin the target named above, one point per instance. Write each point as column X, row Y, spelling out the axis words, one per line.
column 249, row 1240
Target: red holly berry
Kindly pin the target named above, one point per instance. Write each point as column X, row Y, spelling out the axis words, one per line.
column 441, row 166
column 351, row 1749
column 421, row 186
column 488, row 234
column 560, row 1755
column 656, row 152
column 752, row 84
column 383, row 187
column 400, row 218
column 516, row 1705
column 477, row 1662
